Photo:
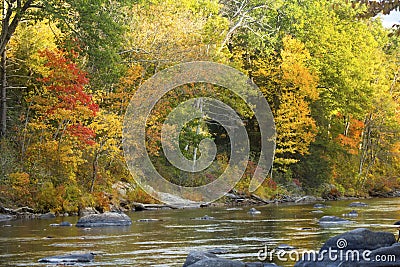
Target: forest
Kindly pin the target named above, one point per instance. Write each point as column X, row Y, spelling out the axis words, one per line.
column 69, row 68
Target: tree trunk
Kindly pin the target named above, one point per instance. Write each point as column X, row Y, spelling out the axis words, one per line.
column 94, row 174
column 3, row 117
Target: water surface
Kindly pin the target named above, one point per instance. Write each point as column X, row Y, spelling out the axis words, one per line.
column 168, row 241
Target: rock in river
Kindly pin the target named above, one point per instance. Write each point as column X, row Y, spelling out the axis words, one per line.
column 6, row 217
column 253, row 211
column 361, row 239
column 104, row 219
column 207, row 259
column 69, row 258
column 352, row 213
column 351, row 246
column 61, row 224
column 320, row 206
column 49, row 215
column 204, row 218
column 358, row 204
column 332, row 220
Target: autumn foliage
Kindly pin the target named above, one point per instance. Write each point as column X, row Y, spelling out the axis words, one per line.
column 329, row 72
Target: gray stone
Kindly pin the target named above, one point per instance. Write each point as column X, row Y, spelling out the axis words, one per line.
column 361, row 239
column 317, row 211
column 148, row 220
column 104, row 219
column 217, row 262
column 307, row 199
column 69, row 258
column 320, row 206
column 358, row 204
column 218, row 251
column 207, row 259
column 6, row 217
column 205, row 218
column 356, row 242
column 87, row 211
column 352, row 213
column 177, row 202
column 327, row 220
column 253, row 211
column 65, row 224
column 48, row 215
column 195, row 256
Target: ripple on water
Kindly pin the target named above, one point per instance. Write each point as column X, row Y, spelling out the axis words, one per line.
column 191, row 226
column 168, row 242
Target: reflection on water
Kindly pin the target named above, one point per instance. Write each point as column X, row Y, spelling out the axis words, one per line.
column 166, row 242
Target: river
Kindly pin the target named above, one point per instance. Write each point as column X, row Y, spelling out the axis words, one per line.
column 167, row 242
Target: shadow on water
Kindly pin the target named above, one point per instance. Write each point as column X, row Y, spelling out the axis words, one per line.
column 167, row 240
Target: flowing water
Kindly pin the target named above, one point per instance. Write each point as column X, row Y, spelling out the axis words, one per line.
column 167, row 242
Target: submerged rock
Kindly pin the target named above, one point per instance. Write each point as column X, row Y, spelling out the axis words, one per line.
column 69, row 258
column 148, row 220
column 195, row 256
column 253, row 211
column 48, row 215
column 358, row 204
column 67, row 224
column 205, row 218
column 6, row 217
column 352, row 213
column 317, row 211
column 333, row 220
column 104, row 219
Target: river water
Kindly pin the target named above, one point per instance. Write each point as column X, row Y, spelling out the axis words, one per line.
column 167, row 242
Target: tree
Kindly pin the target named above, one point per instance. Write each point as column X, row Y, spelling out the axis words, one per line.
column 91, row 23
column 252, row 21
column 376, row 7
column 57, row 126
column 290, row 87
column 348, row 55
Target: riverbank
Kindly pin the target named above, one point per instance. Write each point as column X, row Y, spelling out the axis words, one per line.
column 231, row 199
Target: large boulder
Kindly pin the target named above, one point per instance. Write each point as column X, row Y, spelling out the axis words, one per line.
column 69, row 258
column 355, row 248
column 104, row 219
column 360, row 239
